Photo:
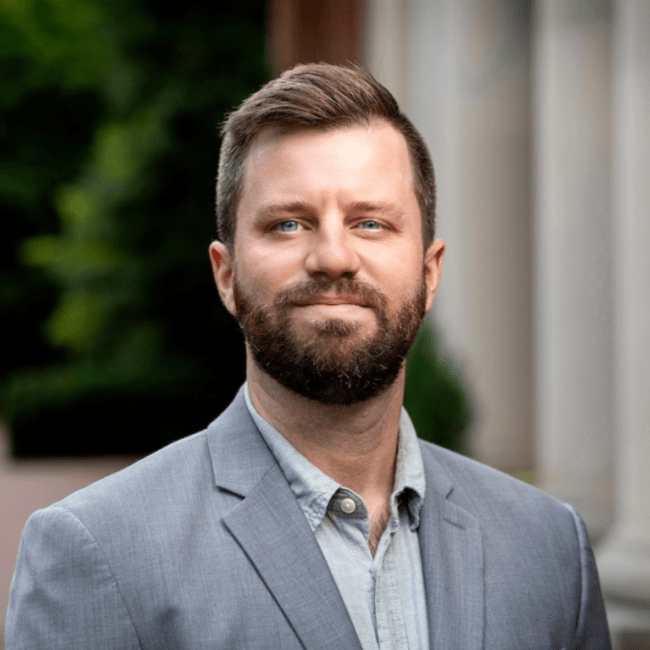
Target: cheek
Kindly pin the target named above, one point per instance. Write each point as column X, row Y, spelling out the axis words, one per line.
column 259, row 282
column 267, row 272
column 397, row 274
column 413, row 289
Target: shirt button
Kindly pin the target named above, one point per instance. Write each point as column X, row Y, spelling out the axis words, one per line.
column 348, row 505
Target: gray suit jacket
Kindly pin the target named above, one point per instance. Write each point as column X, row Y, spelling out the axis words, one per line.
column 202, row 545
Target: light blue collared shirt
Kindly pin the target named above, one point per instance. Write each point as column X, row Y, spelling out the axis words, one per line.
column 384, row 594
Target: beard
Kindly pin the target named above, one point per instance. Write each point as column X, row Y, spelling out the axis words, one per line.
column 331, row 364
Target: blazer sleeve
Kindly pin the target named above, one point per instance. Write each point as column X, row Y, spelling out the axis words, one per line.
column 63, row 594
column 592, row 632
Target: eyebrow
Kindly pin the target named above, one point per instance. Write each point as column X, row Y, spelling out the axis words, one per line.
column 273, row 210
column 387, row 209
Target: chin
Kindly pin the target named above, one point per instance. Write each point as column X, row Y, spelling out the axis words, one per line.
column 333, row 329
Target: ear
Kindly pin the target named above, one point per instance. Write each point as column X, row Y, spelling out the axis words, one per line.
column 222, row 269
column 433, row 258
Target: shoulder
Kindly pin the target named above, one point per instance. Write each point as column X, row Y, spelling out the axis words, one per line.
column 497, row 500
column 474, row 479
column 180, row 473
column 146, row 513
column 537, row 560
column 149, row 479
column 163, row 489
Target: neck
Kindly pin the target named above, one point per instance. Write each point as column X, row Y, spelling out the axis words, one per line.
column 354, row 445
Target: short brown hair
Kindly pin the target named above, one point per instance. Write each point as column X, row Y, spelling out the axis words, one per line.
column 316, row 96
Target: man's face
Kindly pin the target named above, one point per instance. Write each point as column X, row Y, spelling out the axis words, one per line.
column 329, row 279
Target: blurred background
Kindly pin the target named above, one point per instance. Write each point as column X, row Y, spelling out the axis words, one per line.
column 536, row 113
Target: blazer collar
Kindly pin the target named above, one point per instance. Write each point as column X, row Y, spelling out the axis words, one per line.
column 451, row 548
column 239, row 455
column 273, row 532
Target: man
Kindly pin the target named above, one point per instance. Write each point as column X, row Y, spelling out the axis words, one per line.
column 308, row 515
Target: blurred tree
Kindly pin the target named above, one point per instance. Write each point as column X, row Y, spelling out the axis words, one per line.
column 434, row 396
column 109, row 116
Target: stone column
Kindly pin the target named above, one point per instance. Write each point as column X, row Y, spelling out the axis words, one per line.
column 470, row 97
column 573, row 256
column 624, row 558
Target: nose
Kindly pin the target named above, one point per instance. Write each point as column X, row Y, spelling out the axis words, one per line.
column 333, row 253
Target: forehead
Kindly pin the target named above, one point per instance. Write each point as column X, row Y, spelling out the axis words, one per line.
column 279, row 156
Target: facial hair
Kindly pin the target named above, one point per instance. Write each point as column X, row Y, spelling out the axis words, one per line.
column 332, row 364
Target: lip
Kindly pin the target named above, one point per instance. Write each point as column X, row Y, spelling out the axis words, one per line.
column 332, row 300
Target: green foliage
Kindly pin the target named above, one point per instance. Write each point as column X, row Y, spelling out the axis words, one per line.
column 109, row 115
column 434, row 395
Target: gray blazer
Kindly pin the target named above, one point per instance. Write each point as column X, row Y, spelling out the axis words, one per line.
column 202, row 545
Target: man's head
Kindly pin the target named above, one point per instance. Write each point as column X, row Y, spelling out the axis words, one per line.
column 321, row 97
column 327, row 272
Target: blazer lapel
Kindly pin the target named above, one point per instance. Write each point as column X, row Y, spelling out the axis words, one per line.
column 452, row 560
column 272, row 530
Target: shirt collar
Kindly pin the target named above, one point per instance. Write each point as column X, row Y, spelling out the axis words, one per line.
column 314, row 489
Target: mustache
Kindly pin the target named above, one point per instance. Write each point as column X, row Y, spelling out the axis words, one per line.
column 352, row 287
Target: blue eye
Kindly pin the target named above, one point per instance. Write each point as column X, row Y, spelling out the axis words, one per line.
column 370, row 225
column 288, row 226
